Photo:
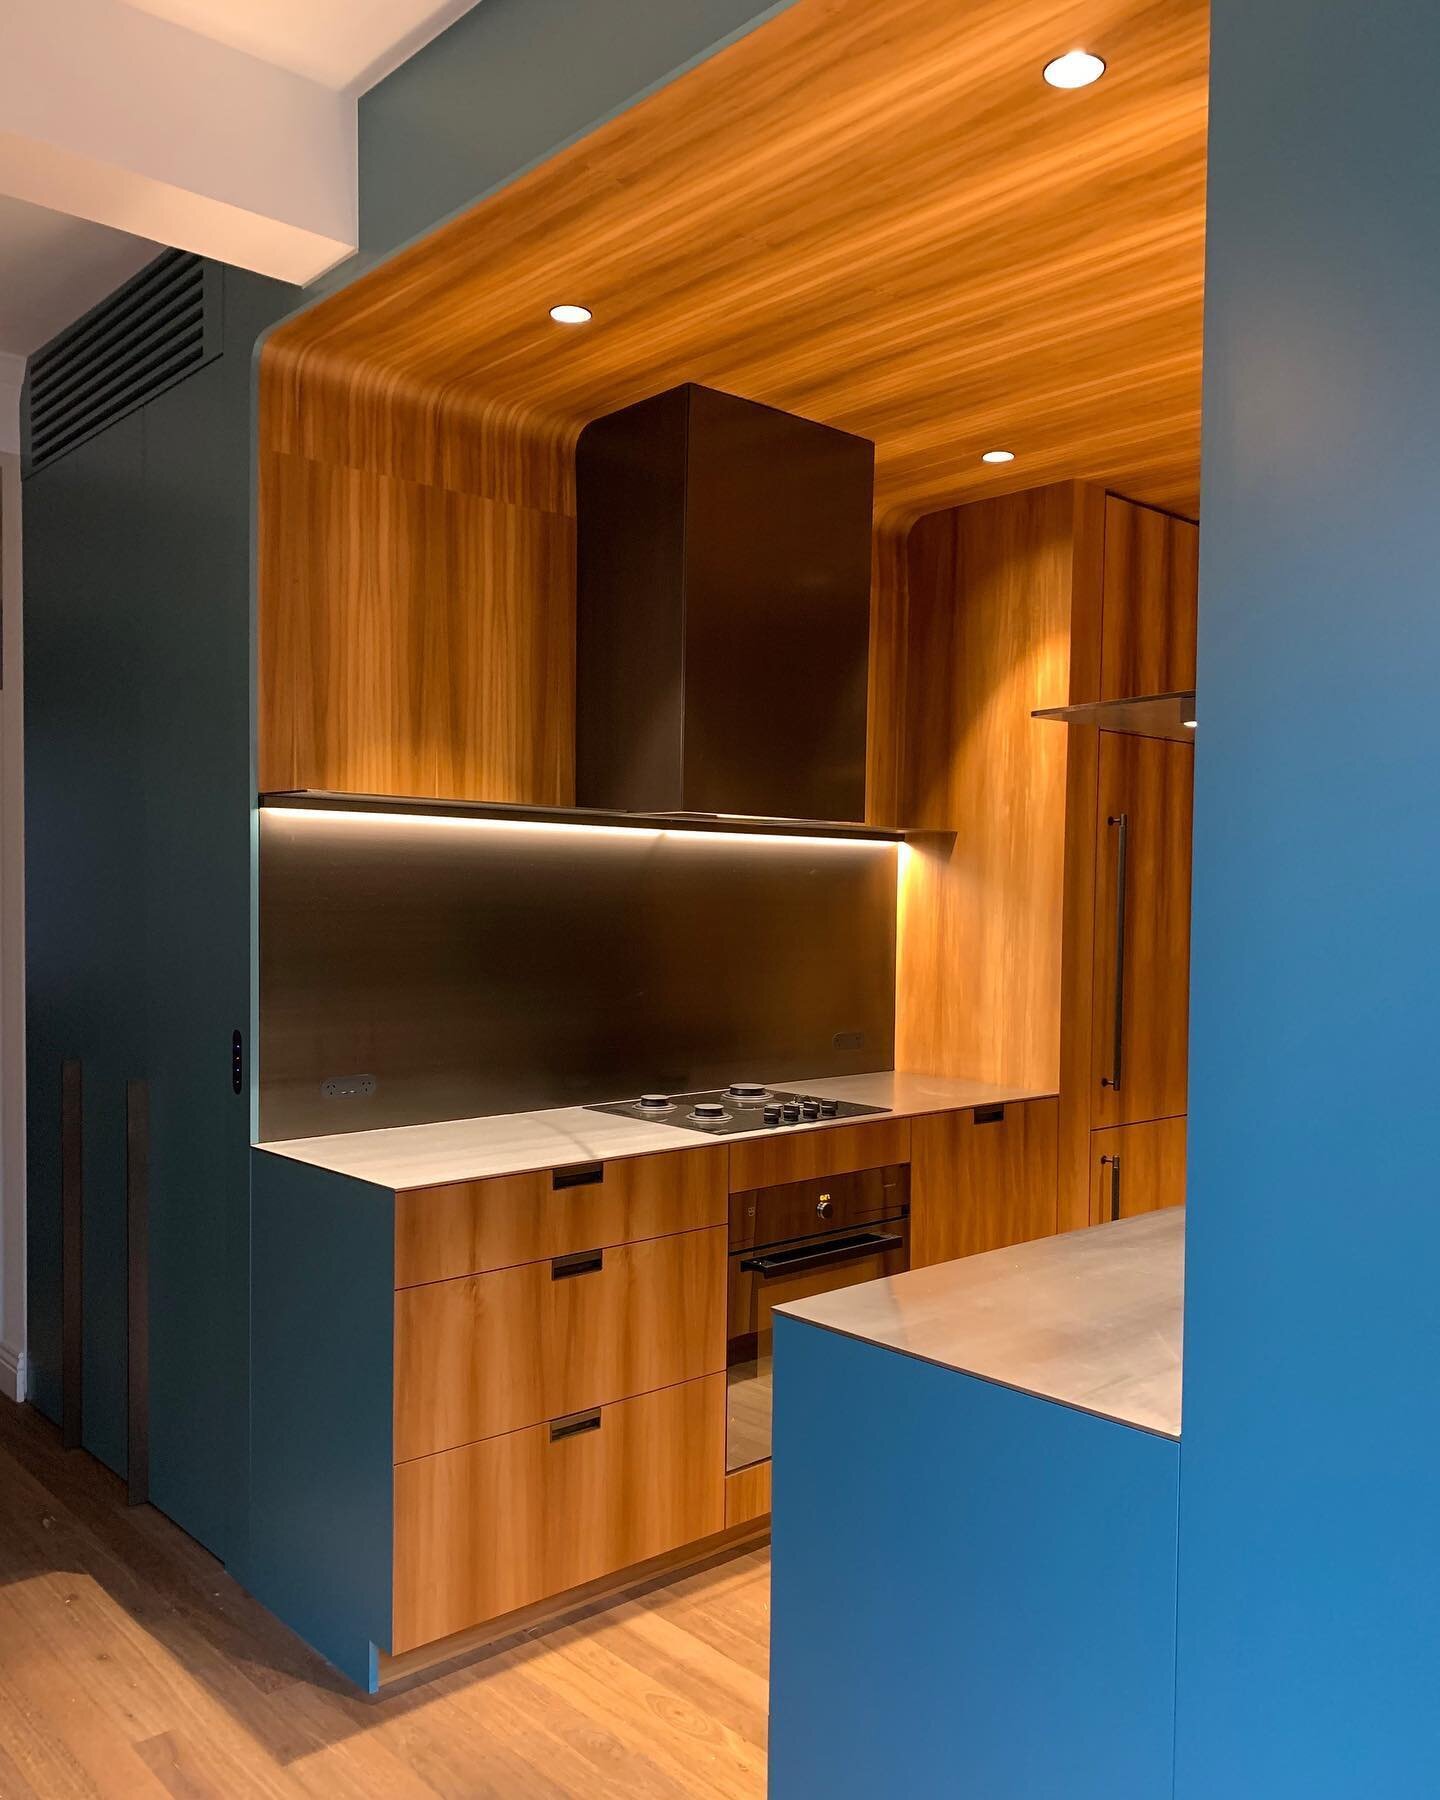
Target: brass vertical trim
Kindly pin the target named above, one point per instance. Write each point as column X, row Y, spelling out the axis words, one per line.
column 137, row 1290
column 72, row 1254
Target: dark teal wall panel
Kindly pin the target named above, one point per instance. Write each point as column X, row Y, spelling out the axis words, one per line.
column 508, row 84
column 973, row 1590
column 138, row 823
column 1309, row 1577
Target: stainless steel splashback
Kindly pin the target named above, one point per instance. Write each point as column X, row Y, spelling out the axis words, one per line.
column 421, row 969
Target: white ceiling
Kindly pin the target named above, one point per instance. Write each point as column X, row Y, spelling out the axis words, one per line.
column 339, row 43
column 53, row 268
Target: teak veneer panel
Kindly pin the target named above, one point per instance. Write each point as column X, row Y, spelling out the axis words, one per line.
column 501, row 1524
column 472, row 1226
column 493, row 1353
column 978, row 1185
column 1152, row 573
column 863, row 212
column 1151, row 784
column 803, row 1155
column 1152, row 1169
column 747, row 1495
column 987, row 622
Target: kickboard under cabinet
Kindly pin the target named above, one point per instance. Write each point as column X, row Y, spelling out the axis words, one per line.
column 494, row 1526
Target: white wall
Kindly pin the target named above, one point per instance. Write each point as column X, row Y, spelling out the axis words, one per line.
column 12, row 908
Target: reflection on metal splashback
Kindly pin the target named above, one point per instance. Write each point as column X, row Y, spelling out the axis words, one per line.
column 482, row 968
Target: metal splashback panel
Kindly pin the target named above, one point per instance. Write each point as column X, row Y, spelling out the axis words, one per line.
column 417, row 969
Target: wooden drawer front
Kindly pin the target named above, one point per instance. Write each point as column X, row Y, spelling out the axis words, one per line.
column 492, row 1353
column 832, row 1150
column 1136, row 1169
column 981, row 1182
column 477, row 1225
column 501, row 1524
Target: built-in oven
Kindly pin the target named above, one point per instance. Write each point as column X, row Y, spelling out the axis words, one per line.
column 788, row 1243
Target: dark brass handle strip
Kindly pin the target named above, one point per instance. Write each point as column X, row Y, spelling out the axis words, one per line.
column 1114, row 1162
column 582, row 1175
column 1121, row 821
column 579, row 1262
column 574, row 1425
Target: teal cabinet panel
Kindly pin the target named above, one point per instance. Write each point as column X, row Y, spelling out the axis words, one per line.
column 973, row 1590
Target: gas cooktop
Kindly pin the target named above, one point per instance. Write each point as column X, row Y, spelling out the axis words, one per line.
column 743, row 1106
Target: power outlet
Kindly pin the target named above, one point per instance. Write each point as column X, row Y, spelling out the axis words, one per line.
column 348, row 1087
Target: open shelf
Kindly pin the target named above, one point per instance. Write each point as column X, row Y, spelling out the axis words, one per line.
column 321, row 800
column 1153, row 716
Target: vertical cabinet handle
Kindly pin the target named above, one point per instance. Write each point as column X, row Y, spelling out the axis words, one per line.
column 1114, row 1162
column 1121, row 824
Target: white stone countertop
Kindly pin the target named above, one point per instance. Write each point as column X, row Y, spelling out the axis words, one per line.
column 415, row 1156
column 1091, row 1319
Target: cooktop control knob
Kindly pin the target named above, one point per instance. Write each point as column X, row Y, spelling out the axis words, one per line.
column 791, row 1113
column 772, row 1113
column 829, row 1109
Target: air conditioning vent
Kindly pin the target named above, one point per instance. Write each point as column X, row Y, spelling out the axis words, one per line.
column 162, row 325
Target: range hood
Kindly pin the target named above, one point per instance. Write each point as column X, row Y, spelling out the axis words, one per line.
column 723, row 622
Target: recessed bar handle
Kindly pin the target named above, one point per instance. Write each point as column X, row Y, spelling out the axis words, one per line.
column 1114, row 1162
column 989, row 1115
column 579, row 1262
column 581, row 1175
column 574, row 1425
column 1121, row 824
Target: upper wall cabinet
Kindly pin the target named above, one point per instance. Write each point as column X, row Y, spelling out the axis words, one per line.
column 1152, row 564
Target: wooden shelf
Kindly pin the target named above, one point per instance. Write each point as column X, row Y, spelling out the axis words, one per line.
column 1153, row 716
column 321, row 800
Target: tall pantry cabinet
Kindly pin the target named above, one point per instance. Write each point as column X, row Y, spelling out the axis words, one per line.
column 1126, row 957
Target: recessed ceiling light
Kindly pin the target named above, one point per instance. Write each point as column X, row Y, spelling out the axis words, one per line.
column 1075, row 69
column 571, row 315
column 998, row 456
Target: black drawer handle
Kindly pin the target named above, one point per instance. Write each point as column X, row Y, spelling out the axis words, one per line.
column 579, row 1262
column 574, row 1425
column 989, row 1115
column 582, row 1175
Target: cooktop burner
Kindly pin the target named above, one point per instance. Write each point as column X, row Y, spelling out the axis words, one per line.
column 743, row 1106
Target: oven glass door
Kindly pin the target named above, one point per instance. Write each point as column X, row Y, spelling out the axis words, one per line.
column 761, row 1280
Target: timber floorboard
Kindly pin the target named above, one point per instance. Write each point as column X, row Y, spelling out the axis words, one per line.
column 132, row 1665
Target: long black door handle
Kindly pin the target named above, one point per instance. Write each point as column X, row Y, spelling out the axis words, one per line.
column 1121, row 823
column 820, row 1256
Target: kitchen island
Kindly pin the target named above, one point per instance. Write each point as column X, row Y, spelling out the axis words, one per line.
column 976, row 1488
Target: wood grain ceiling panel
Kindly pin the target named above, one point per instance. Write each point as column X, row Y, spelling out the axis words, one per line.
column 870, row 212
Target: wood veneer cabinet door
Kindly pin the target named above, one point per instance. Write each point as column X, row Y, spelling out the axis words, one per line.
column 501, row 1524
column 472, row 1226
column 803, row 1155
column 1137, row 1169
column 1141, row 993
column 492, row 1353
column 1148, row 612
column 980, row 1182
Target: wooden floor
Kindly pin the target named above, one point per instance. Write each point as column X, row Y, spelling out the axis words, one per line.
column 130, row 1664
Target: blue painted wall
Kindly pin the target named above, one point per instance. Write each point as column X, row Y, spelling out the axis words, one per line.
column 1309, row 1605
column 974, row 1590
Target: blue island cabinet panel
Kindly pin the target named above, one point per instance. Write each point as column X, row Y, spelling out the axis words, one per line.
column 974, row 1590
column 321, row 1382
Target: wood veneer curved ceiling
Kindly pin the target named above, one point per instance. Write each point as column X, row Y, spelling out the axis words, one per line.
column 869, row 212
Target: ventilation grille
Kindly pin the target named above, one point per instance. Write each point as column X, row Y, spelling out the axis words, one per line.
column 161, row 325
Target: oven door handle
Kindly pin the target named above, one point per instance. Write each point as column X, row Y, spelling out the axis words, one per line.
column 820, row 1256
